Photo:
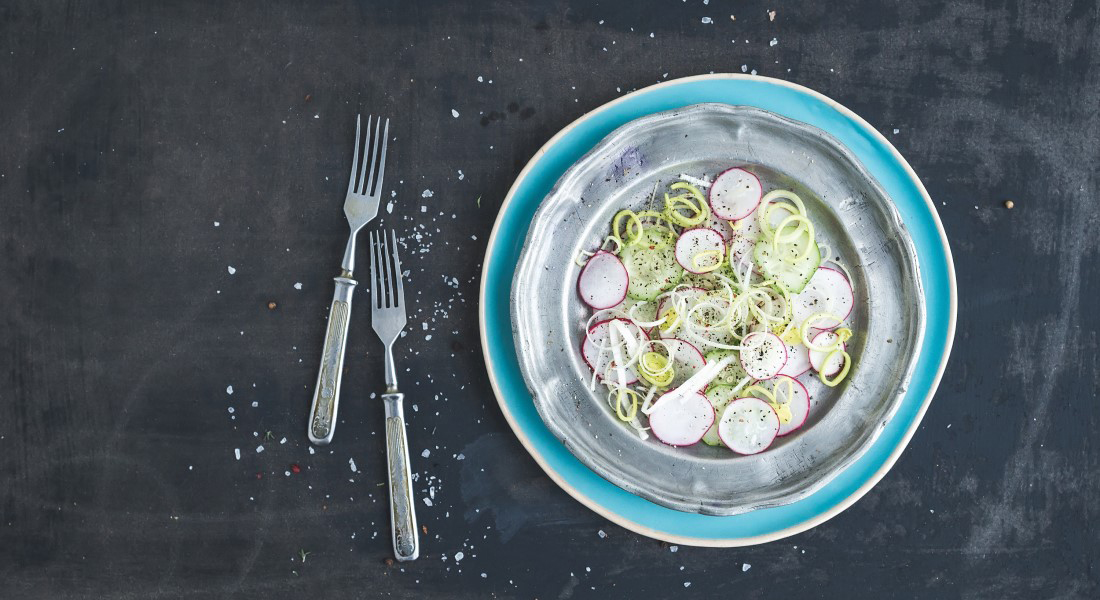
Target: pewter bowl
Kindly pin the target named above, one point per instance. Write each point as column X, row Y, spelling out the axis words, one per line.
column 854, row 218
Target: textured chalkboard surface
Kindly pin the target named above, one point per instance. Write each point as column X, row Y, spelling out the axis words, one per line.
column 170, row 169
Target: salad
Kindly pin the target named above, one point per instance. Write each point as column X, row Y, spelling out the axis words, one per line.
column 710, row 310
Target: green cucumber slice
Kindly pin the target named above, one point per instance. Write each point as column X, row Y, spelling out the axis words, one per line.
column 719, row 396
column 651, row 265
column 733, row 373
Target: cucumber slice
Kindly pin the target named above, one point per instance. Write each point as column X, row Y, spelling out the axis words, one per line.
column 719, row 396
column 733, row 373
column 791, row 276
column 651, row 265
column 647, row 311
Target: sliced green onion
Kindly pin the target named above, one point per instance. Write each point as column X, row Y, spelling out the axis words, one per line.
column 672, row 320
column 764, row 210
column 805, row 331
column 697, row 261
column 699, row 209
column 656, row 368
column 619, row 403
column 804, row 226
column 633, row 233
column 691, row 189
column 614, row 239
column 673, row 206
column 843, row 371
column 768, row 395
column 783, row 409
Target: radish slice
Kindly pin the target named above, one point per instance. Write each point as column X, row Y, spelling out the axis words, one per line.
column 817, row 358
column 734, row 194
column 694, row 242
column 766, row 359
column 746, row 232
column 599, row 336
column 798, row 403
column 827, row 291
column 720, row 225
column 747, row 227
column 798, row 360
column 681, row 421
column 686, row 360
column 748, row 425
column 603, row 281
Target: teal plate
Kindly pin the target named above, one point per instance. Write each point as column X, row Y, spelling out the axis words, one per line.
column 880, row 159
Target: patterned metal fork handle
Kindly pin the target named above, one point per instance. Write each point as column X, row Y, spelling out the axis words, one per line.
column 406, row 540
column 326, row 396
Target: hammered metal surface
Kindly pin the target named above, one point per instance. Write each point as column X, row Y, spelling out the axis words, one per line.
column 853, row 217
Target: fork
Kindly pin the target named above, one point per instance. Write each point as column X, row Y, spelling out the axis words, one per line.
column 388, row 319
column 360, row 206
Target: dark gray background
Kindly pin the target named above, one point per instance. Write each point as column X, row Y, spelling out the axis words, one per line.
column 130, row 128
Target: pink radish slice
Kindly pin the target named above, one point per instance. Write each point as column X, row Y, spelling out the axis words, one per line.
column 720, row 225
column 686, row 360
column 817, row 358
column 827, row 291
column 681, row 421
column 693, row 242
column 748, row 425
column 745, row 236
column 799, row 403
column 599, row 336
column 798, row 361
column 734, row 194
column 603, row 281
column 748, row 226
column 765, row 360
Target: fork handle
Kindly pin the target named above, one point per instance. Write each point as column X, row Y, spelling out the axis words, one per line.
column 326, row 395
column 406, row 540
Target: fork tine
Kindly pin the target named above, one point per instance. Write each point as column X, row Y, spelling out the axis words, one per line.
column 397, row 268
column 368, row 154
column 373, row 273
column 383, row 271
column 374, row 147
column 376, row 184
column 355, row 161
column 395, row 275
column 387, row 269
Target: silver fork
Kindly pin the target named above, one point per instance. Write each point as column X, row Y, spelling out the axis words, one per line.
column 360, row 206
column 388, row 319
